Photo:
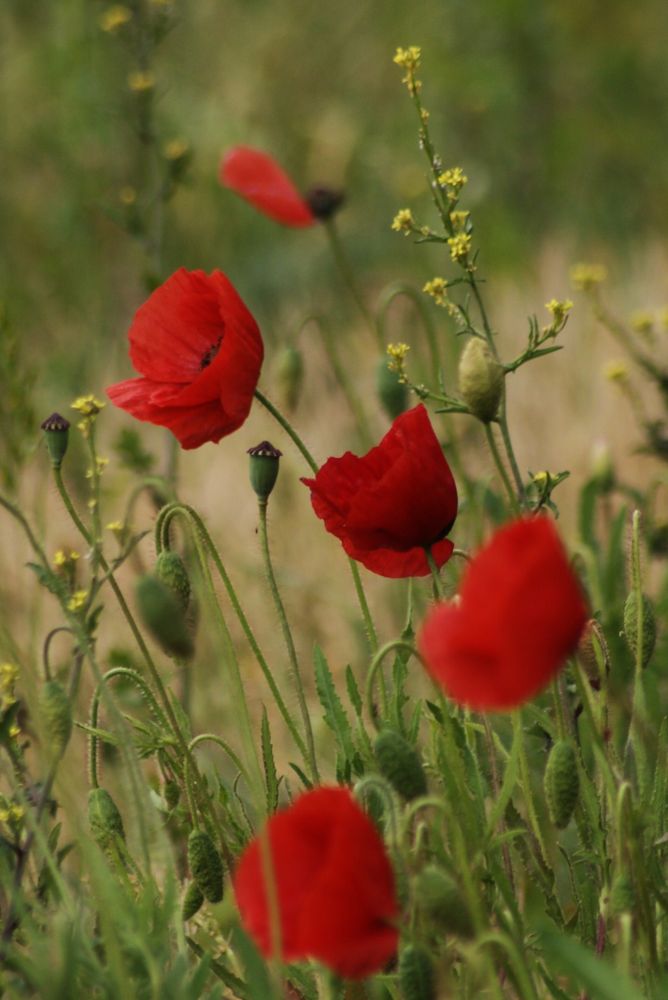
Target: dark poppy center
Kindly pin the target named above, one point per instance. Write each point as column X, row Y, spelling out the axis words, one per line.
column 209, row 355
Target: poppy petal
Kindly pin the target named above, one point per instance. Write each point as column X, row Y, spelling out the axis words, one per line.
column 259, row 179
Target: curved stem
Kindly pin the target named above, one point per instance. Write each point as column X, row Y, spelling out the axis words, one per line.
column 212, row 738
column 375, row 666
column 289, row 429
column 392, row 292
column 501, row 468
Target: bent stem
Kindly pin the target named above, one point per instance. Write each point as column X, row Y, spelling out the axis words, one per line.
column 374, row 669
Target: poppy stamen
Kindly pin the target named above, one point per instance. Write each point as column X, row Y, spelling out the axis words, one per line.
column 209, row 355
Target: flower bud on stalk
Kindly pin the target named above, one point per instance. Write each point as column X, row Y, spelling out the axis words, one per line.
column 56, row 714
column 206, row 866
column 170, row 568
column 104, row 818
column 264, row 461
column 192, row 901
column 648, row 625
column 562, row 783
column 400, row 764
column 439, row 897
column 161, row 611
column 56, row 434
column 480, row 380
column 392, row 392
column 416, row 974
column 290, row 373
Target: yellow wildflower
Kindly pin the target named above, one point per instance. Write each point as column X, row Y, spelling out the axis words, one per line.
column 403, row 221
column 616, row 371
column 77, row 600
column 438, row 289
column 586, row 276
column 175, row 149
column 140, row 81
column 88, row 406
column 115, row 17
column 458, row 218
column 460, row 246
column 454, row 178
column 642, row 321
column 559, row 309
column 14, row 731
column 114, row 526
column 8, row 674
column 397, row 353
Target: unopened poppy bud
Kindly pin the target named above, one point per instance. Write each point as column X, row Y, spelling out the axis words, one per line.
column 56, row 714
column 192, row 901
column 206, row 866
column 561, row 783
column 172, row 794
column 104, row 818
column 416, row 974
column 586, row 654
column 56, row 434
column 290, row 373
column 480, row 380
column 622, row 897
column 264, row 460
column 324, row 201
column 392, row 392
column 648, row 626
column 400, row 764
column 161, row 611
column 170, row 568
column 439, row 897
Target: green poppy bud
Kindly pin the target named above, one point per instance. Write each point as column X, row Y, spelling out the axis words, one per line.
column 56, row 434
column 440, row 899
column 104, row 818
column 561, row 783
column 161, row 611
column 417, row 979
column 206, row 866
column 648, row 626
column 171, row 793
column 400, row 764
column 264, row 460
column 170, row 568
column 392, row 392
column 290, row 374
column 55, row 713
column 192, row 901
column 480, row 380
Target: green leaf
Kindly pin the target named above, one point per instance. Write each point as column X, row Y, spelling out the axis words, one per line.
column 601, row 980
column 257, row 977
column 270, row 775
column 354, row 692
column 54, row 584
column 335, row 715
column 587, row 513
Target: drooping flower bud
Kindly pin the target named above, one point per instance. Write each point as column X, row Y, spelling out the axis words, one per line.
column 162, row 613
column 440, row 898
column 392, row 392
column 400, row 764
column 324, row 201
column 171, row 793
column 104, row 818
column 206, row 866
column 170, row 568
column 56, row 434
column 648, row 625
column 290, row 374
column 480, row 380
column 264, row 461
column 561, row 783
column 56, row 714
column 416, row 974
column 192, row 901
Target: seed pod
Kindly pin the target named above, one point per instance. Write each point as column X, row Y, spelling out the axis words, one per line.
column 290, row 373
column 648, row 626
column 400, row 764
column 622, row 895
column 56, row 434
column 206, row 866
column 417, row 980
column 561, row 783
column 104, row 818
column 192, row 901
column 56, row 714
column 439, row 897
column 263, row 468
column 480, row 380
column 392, row 393
column 161, row 612
column 170, row 568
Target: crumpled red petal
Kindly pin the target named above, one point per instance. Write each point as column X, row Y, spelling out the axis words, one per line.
column 258, row 178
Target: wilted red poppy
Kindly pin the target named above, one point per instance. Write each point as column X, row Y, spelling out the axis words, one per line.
column 334, row 883
column 199, row 352
column 259, row 179
column 520, row 614
column 391, row 504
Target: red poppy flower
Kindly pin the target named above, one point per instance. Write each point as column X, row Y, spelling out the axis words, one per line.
column 520, row 614
column 259, row 179
column 334, row 883
column 199, row 352
column 391, row 504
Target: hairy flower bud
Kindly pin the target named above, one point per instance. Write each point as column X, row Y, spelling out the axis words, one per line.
column 192, row 901
column 56, row 715
column 648, row 626
column 161, row 611
column 56, row 434
column 206, row 866
column 264, row 461
column 416, row 974
column 440, row 899
column 104, row 818
column 480, row 380
column 561, row 783
column 170, row 568
column 392, row 392
column 400, row 764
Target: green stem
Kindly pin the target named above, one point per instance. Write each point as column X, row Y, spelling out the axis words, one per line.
column 532, row 814
column 347, row 272
column 289, row 643
column 375, row 667
column 387, row 298
column 369, row 627
column 435, row 576
column 638, row 723
column 501, row 468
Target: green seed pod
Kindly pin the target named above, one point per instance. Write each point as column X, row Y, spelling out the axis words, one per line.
column 206, row 866
column 192, row 901
column 417, row 979
column 104, row 818
column 264, row 461
column 648, row 626
column 561, row 783
column 392, row 393
column 172, row 794
column 290, row 374
column 56, row 434
column 161, row 612
column 622, row 895
column 400, row 764
column 440, row 899
column 55, row 713
column 170, row 568
column 480, row 380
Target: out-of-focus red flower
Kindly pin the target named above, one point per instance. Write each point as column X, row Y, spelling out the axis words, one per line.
column 259, row 179
column 199, row 352
column 520, row 614
column 335, row 885
column 391, row 504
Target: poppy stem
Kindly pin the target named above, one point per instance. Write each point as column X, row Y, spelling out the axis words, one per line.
column 347, row 273
column 498, row 461
column 373, row 670
column 289, row 642
column 525, row 777
column 435, row 576
column 369, row 626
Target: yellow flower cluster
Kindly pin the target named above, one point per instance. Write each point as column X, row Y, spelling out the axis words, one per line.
column 88, row 406
column 458, row 218
column 8, row 675
column 397, row 362
column 11, row 813
column 63, row 558
column 175, row 149
column 438, row 289
column 115, row 17
column 77, row 600
column 454, row 179
column 141, row 81
column 404, row 222
column 616, row 371
column 559, row 310
column 642, row 322
column 409, row 59
column 460, row 246
column 586, row 276
column 100, row 466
